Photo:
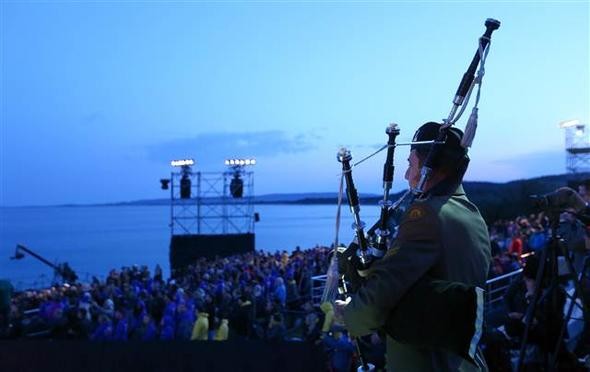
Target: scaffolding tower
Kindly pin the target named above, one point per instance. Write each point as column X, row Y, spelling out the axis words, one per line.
column 211, row 208
column 577, row 146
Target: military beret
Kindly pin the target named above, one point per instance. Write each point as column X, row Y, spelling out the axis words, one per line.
column 451, row 150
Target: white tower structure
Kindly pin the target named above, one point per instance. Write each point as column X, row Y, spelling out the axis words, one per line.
column 577, row 146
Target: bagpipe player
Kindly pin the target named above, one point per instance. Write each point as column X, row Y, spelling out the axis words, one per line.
column 425, row 292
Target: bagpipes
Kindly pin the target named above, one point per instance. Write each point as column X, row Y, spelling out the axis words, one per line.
column 350, row 265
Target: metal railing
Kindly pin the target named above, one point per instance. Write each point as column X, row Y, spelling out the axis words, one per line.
column 495, row 288
column 318, row 284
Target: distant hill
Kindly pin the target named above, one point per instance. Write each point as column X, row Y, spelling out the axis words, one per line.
column 507, row 200
column 301, row 198
column 495, row 200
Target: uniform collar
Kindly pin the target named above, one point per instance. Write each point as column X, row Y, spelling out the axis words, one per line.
column 447, row 187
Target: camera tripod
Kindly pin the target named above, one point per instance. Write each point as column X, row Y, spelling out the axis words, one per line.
column 546, row 294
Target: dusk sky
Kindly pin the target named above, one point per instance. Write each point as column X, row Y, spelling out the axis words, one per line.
column 98, row 97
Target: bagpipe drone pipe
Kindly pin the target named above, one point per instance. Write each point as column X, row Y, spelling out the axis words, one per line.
column 450, row 314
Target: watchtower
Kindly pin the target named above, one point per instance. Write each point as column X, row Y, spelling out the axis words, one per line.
column 577, row 146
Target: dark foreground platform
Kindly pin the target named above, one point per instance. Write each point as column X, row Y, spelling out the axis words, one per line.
column 16, row 356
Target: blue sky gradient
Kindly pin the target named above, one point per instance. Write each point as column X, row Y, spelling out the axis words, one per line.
column 97, row 98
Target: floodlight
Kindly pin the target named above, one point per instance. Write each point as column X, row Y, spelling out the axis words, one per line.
column 182, row 163
column 239, row 162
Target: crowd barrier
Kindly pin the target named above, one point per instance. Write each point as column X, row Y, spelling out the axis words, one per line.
column 494, row 292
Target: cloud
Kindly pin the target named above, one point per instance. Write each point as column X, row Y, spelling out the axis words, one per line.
column 215, row 147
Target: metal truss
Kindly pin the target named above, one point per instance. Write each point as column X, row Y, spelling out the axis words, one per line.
column 212, row 209
column 577, row 147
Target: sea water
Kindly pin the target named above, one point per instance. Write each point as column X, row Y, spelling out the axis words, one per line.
column 96, row 239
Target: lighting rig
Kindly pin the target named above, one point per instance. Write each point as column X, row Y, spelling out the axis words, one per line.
column 236, row 186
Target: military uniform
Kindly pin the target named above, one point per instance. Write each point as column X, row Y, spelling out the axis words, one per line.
column 443, row 236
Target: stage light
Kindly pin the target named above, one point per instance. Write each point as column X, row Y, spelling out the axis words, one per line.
column 185, row 180
column 182, row 163
column 185, row 187
column 236, row 186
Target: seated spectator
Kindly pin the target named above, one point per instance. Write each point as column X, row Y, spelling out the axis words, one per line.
column 167, row 328
column 312, row 330
column 516, row 244
column 276, row 328
column 104, row 331
column 184, row 322
column 201, row 327
column 223, row 330
column 146, row 331
column 340, row 348
column 280, row 292
column 122, row 326
column 328, row 310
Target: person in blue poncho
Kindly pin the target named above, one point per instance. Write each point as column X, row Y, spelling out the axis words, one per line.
column 340, row 348
column 280, row 291
column 167, row 328
column 122, row 327
column 104, row 331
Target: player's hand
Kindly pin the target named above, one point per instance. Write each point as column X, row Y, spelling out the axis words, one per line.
column 339, row 307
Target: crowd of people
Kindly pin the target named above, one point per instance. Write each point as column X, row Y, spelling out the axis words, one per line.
column 258, row 295
column 510, row 239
